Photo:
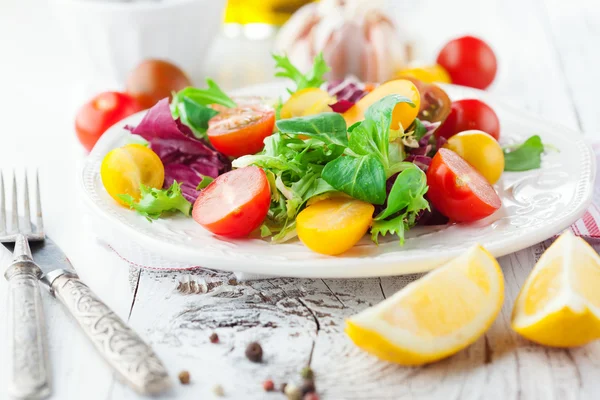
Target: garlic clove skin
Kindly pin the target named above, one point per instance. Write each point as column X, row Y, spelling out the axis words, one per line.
column 355, row 36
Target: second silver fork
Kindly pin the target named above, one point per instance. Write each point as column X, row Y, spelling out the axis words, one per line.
column 29, row 367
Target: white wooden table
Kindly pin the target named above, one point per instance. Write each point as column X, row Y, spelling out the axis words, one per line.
column 549, row 55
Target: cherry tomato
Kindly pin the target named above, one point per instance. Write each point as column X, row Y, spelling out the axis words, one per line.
column 470, row 114
column 435, row 103
column 100, row 113
column 333, row 226
column 403, row 114
column 153, row 80
column 235, row 203
column 427, row 74
column 123, row 170
column 481, row 151
column 240, row 131
column 309, row 101
column 457, row 190
column 469, row 61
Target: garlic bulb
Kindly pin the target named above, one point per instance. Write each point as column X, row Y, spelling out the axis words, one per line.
column 355, row 36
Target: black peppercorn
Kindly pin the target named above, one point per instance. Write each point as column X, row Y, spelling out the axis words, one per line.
column 254, row 352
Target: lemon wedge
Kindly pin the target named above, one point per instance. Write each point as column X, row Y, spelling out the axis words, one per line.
column 559, row 304
column 436, row 316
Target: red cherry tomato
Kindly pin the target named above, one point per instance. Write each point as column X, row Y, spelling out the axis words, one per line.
column 240, row 131
column 235, row 203
column 470, row 114
column 469, row 61
column 457, row 190
column 102, row 112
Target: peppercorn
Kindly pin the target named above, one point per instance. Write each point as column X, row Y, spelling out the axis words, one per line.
column 293, row 392
column 307, row 373
column 184, row 377
column 214, row 338
column 218, row 390
column 308, row 386
column 268, row 385
column 254, row 352
column 311, row 396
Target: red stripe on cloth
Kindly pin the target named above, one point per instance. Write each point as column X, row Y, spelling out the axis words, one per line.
column 575, row 229
column 590, row 224
column 591, row 220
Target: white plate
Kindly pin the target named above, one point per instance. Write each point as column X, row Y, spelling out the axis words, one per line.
column 536, row 205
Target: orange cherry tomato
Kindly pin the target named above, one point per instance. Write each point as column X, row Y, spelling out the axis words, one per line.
column 240, row 131
column 125, row 168
column 480, row 150
column 309, row 101
column 457, row 190
column 427, row 74
column 333, row 226
column 404, row 114
column 234, row 204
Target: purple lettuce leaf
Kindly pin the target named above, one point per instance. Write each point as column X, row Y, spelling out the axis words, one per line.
column 341, row 106
column 347, row 91
column 428, row 145
column 186, row 159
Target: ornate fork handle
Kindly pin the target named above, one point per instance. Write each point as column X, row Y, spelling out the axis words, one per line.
column 29, row 368
column 135, row 362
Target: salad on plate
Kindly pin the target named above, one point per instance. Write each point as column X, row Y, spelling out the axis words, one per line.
column 328, row 164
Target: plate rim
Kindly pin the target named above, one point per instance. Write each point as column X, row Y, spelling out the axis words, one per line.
column 339, row 266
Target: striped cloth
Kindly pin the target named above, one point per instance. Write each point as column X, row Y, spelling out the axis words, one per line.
column 588, row 226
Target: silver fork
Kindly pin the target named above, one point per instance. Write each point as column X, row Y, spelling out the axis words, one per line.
column 28, row 350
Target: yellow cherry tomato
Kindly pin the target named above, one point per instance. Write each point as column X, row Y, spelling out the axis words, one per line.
column 428, row 74
column 125, row 168
column 480, row 150
column 404, row 114
column 333, row 226
column 305, row 102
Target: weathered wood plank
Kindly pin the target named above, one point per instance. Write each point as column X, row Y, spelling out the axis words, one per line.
column 575, row 33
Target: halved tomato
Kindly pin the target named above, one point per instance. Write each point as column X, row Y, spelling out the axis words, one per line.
column 457, row 190
column 403, row 114
column 240, row 131
column 235, row 203
column 435, row 103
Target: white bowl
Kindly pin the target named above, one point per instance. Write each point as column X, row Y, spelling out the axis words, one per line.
column 110, row 38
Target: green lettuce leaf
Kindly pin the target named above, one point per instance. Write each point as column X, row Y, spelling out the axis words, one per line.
column 330, row 128
column 191, row 106
column 314, row 78
column 206, row 180
column 407, row 193
column 154, row 202
column 360, row 177
column 525, row 156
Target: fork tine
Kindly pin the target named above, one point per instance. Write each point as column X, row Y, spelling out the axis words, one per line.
column 15, row 212
column 39, row 220
column 27, row 208
column 2, row 206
